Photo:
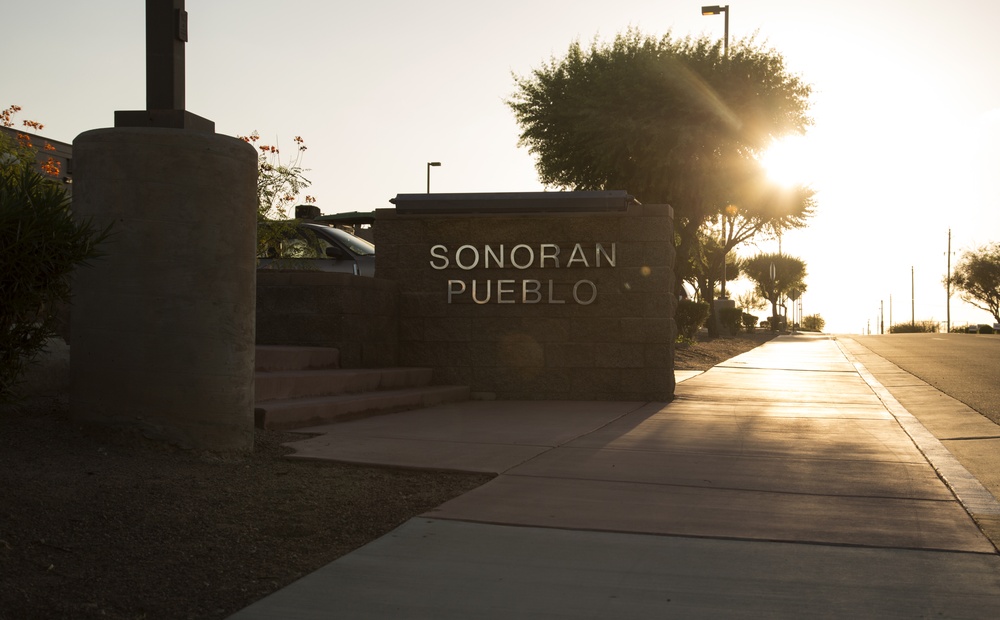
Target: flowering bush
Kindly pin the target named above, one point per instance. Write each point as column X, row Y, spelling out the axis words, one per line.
column 278, row 186
column 24, row 148
column 278, row 183
column 41, row 245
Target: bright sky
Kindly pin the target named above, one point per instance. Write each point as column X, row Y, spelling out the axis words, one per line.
column 906, row 104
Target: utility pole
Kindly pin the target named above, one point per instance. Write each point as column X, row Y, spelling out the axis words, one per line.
column 881, row 316
column 913, row 303
column 947, row 283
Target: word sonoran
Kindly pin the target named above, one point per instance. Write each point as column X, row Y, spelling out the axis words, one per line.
column 521, row 256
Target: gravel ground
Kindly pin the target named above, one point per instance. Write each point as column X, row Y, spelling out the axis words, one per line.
column 704, row 354
column 100, row 524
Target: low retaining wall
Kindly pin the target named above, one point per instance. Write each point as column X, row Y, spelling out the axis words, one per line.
column 356, row 315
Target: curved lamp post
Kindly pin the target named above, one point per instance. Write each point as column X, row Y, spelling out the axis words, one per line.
column 429, row 164
column 715, row 10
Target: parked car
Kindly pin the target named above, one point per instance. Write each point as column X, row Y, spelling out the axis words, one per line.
column 313, row 246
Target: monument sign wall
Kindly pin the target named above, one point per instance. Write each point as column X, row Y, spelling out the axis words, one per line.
column 547, row 295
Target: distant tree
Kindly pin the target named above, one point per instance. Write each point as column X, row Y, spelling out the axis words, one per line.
column 916, row 327
column 789, row 273
column 751, row 300
column 813, row 323
column 672, row 121
column 977, row 277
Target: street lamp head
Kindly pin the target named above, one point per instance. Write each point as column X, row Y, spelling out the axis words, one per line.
column 714, row 10
column 429, row 165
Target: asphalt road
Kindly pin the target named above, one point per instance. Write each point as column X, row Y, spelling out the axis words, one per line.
column 963, row 366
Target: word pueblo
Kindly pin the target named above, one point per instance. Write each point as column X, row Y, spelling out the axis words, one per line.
column 521, row 256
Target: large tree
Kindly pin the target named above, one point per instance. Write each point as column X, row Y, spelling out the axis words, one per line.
column 672, row 121
column 977, row 277
column 776, row 275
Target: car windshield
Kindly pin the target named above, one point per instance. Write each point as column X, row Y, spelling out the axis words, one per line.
column 356, row 245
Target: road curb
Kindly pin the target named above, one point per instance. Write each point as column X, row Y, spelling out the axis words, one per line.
column 981, row 505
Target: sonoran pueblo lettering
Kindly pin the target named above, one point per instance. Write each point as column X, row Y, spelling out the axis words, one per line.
column 521, row 256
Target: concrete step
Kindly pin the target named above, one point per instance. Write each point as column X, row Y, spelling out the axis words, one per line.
column 280, row 357
column 283, row 384
column 302, row 412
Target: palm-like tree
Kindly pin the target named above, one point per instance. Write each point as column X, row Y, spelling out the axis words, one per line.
column 775, row 276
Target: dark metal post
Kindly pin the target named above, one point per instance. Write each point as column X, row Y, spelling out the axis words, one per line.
column 429, row 164
column 725, row 48
column 166, row 34
column 715, row 10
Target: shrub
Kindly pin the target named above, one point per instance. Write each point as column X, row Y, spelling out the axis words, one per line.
column 813, row 323
column 919, row 327
column 690, row 316
column 749, row 322
column 41, row 245
column 729, row 320
column 773, row 324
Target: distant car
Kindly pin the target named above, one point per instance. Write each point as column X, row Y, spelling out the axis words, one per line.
column 315, row 247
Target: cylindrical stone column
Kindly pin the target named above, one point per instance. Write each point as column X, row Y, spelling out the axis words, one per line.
column 163, row 323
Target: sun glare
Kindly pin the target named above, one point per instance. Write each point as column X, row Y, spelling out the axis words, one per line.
column 787, row 161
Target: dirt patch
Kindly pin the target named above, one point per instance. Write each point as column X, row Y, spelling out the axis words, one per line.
column 101, row 525
column 704, row 354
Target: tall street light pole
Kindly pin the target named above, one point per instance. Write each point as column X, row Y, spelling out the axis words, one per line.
column 715, row 10
column 729, row 216
column 730, row 210
column 429, row 164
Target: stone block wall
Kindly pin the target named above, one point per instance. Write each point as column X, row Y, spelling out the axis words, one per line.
column 519, row 331
column 356, row 315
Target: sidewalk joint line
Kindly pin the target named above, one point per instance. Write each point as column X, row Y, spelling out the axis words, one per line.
column 734, row 489
column 745, row 539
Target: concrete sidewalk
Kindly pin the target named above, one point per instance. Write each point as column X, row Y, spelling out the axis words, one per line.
column 781, row 483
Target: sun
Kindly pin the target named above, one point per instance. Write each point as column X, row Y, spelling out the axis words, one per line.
column 788, row 161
